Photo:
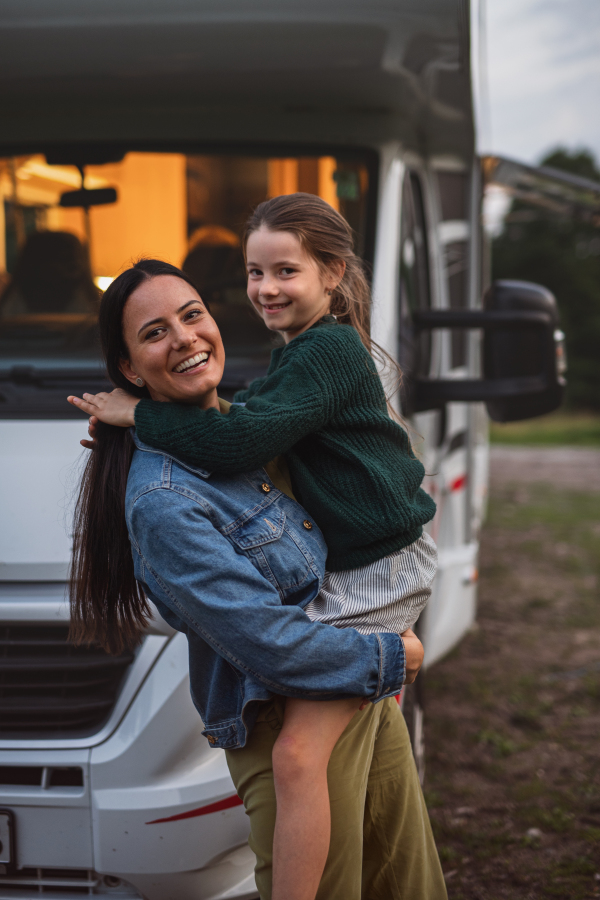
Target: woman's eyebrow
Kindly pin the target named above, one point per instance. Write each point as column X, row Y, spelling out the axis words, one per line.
column 160, row 318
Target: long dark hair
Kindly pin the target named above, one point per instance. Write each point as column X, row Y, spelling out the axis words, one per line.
column 108, row 606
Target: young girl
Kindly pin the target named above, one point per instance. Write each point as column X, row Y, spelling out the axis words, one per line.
column 321, row 404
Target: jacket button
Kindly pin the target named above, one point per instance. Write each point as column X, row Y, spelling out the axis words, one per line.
column 211, row 739
column 266, row 487
column 307, row 524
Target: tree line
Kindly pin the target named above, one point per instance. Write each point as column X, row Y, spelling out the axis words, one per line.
column 563, row 255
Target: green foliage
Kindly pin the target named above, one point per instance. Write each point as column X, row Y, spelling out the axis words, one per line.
column 563, row 255
column 577, row 162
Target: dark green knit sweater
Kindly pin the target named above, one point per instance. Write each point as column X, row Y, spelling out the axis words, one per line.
column 323, row 405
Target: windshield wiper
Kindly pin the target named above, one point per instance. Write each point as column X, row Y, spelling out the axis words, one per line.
column 39, row 377
column 28, row 392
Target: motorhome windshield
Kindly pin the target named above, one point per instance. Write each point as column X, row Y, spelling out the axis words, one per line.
column 67, row 230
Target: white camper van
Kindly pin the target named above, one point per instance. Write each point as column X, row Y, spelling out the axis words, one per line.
column 152, row 128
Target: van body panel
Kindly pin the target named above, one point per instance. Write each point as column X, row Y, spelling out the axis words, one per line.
column 341, row 72
column 40, row 467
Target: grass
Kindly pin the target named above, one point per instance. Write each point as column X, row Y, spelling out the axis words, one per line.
column 513, row 772
column 558, row 428
column 564, row 524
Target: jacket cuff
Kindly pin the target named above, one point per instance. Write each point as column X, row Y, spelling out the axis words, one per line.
column 392, row 666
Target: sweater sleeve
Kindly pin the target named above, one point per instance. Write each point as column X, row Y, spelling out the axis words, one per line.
column 314, row 381
column 244, row 395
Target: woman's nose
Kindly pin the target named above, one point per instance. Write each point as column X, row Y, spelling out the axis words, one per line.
column 183, row 337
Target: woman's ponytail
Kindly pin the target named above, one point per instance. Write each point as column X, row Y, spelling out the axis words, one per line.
column 108, row 606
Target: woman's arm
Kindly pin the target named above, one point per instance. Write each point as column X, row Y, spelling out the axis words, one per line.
column 220, row 594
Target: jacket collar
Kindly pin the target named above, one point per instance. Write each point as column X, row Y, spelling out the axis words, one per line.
column 146, row 448
column 224, row 405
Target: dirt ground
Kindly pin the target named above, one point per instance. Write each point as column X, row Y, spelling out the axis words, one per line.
column 513, row 714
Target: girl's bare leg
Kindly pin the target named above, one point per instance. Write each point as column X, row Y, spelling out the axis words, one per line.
column 301, row 754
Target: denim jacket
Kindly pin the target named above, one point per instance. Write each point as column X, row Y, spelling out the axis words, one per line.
column 231, row 561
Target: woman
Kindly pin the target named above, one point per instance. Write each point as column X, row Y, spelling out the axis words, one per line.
column 231, row 561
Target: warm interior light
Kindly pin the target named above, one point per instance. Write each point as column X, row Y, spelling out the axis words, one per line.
column 59, row 174
column 103, row 282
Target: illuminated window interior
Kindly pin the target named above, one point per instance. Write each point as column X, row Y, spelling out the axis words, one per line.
column 188, row 210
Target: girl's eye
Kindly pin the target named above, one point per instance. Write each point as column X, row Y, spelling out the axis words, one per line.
column 287, row 270
column 254, row 273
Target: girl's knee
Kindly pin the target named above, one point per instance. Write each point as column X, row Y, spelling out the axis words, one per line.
column 295, row 761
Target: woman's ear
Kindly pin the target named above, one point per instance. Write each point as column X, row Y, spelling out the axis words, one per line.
column 128, row 372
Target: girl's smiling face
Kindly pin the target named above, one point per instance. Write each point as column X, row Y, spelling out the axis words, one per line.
column 286, row 286
column 174, row 343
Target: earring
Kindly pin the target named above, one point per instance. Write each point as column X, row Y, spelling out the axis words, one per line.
column 140, row 382
column 329, row 291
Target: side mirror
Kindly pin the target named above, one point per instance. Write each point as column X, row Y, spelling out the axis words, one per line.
column 523, row 354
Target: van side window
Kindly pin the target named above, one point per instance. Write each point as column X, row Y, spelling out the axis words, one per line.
column 414, row 354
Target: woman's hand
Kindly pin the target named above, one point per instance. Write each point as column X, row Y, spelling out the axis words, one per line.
column 413, row 653
column 116, row 408
column 413, row 649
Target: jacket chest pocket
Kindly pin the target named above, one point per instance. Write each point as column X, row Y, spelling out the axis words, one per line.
column 269, row 545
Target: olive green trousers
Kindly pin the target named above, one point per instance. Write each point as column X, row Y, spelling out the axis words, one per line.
column 382, row 846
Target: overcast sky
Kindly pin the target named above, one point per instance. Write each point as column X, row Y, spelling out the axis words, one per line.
column 543, row 70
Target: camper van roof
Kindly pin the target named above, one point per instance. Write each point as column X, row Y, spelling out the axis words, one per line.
column 216, row 71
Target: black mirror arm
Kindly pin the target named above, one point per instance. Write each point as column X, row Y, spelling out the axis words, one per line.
column 481, row 318
column 432, row 393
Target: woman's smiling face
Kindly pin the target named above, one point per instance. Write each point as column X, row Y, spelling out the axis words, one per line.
column 174, row 343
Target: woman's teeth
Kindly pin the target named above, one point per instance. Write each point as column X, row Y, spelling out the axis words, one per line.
column 191, row 362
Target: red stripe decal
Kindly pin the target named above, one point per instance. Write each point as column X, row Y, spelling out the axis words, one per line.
column 220, row 805
column 458, row 483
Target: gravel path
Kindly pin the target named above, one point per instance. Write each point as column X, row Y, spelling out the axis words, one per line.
column 573, row 468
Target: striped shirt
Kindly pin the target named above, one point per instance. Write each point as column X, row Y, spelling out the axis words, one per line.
column 387, row 595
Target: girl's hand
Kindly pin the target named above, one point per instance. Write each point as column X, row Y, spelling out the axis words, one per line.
column 91, row 445
column 116, row 408
column 413, row 650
